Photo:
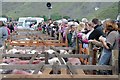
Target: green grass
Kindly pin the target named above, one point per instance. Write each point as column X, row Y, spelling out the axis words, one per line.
column 73, row 9
column 108, row 12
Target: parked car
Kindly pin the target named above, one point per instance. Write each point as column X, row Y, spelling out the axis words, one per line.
column 25, row 22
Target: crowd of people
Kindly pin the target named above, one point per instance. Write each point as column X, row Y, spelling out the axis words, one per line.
column 104, row 33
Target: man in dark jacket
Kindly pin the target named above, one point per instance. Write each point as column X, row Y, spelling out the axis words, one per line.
column 54, row 30
column 11, row 27
column 98, row 30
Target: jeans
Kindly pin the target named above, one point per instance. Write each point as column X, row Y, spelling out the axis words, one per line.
column 105, row 57
column 105, row 60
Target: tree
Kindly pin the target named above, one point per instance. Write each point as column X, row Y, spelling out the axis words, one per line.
column 66, row 17
column 5, row 16
column 56, row 16
column 8, row 18
column 45, row 18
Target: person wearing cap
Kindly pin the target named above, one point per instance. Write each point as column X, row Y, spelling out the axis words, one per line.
column 84, row 20
column 3, row 33
column 86, row 26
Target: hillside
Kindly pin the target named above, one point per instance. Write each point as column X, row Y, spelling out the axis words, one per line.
column 76, row 10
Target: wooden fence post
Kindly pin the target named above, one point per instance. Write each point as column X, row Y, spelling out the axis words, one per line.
column 94, row 60
column 55, row 68
column 90, row 51
column 46, row 57
column 60, row 40
column 115, row 61
column 77, row 45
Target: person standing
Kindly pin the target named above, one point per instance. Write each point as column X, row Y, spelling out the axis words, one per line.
column 11, row 27
column 110, row 43
column 3, row 33
column 98, row 30
column 119, row 46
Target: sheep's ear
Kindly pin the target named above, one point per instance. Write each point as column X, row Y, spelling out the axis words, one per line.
column 53, row 52
column 73, row 51
column 58, row 51
column 17, row 52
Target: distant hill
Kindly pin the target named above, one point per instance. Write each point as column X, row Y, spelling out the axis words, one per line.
column 76, row 10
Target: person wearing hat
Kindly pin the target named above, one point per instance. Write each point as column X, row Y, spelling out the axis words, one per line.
column 3, row 33
column 84, row 20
